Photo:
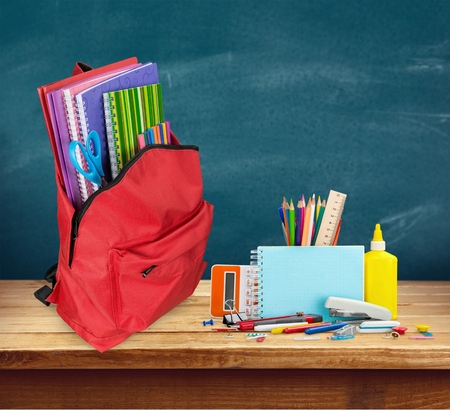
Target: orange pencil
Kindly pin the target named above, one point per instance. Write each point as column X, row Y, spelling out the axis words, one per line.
column 336, row 235
column 312, row 221
column 306, row 223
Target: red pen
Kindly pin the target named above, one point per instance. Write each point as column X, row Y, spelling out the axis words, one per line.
column 281, row 320
column 303, row 328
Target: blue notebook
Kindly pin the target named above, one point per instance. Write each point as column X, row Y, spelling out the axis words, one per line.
column 301, row 278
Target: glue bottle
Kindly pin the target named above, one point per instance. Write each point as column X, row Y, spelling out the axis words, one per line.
column 380, row 274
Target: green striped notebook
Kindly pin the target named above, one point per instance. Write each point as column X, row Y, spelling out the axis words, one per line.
column 131, row 112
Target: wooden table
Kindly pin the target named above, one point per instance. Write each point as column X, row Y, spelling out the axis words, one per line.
column 180, row 363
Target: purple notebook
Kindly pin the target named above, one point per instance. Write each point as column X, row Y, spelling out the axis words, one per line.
column 90, row 104
column 78, row 188
column 58, row 120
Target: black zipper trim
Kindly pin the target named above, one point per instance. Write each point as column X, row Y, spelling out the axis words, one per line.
column 148, row 270
column 78, row 216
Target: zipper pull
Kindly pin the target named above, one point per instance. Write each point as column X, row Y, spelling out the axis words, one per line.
column 147, row 271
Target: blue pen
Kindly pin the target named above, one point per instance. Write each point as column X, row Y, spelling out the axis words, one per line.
column 327, row 328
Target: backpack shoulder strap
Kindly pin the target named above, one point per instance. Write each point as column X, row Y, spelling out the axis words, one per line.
column 45, row 291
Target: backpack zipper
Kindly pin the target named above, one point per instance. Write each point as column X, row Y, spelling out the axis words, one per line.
column 78, row 216
column 148, row 270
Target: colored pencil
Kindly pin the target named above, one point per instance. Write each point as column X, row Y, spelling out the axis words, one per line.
column 292, row 223
column 311, row 222
column 306, row 224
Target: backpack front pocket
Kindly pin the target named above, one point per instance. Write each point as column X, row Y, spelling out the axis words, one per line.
column 152, row 275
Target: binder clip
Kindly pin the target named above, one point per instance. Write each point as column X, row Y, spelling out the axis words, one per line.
column 233, row 318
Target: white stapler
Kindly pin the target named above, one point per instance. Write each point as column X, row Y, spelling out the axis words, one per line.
column 353, row 311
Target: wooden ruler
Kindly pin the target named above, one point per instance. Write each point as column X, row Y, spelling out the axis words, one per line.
column 331, row 218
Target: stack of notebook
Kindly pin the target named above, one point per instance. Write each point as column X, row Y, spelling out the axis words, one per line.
column 119, row 101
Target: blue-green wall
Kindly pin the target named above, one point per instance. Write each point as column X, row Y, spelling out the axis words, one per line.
column 283, row 98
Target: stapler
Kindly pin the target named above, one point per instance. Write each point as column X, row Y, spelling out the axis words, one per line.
column 355, row 311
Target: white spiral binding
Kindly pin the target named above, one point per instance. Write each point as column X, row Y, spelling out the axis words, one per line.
column 72, row 112
column 83, row 125
column 256, row 261
column 251, row 291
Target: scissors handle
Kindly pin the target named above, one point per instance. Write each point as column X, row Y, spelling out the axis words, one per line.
column 93, row 159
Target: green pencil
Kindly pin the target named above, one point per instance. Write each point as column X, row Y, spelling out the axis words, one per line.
column 319, row 220
column 292, row 223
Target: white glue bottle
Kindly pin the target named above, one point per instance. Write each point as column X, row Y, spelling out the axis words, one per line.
column 380, row 274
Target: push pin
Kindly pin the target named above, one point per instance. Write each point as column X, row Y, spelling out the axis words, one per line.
column 391, row 335
column 209, row 322
column 423, row 328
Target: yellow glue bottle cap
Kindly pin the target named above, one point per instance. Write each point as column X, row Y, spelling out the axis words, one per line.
column 377, row 243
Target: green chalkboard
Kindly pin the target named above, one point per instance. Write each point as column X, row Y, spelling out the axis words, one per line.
column 283, row 98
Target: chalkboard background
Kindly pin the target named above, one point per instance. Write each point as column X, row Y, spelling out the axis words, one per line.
column 283, row 98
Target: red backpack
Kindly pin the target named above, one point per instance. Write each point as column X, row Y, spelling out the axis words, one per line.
column 135, row 249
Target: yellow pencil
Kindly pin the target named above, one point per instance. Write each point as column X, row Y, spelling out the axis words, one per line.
column 319, row 204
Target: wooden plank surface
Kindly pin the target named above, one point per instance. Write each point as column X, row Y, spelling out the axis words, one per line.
column 225, row 388
column 32, row 336
column 179, row 363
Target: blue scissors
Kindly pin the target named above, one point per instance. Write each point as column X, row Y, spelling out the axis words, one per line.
column 93, row 158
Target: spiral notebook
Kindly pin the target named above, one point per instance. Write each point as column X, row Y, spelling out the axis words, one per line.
column 300, row 278
column 134, row 111
column 46, row 105
column 63, row 119
column 86, row 188
column 91, row 115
